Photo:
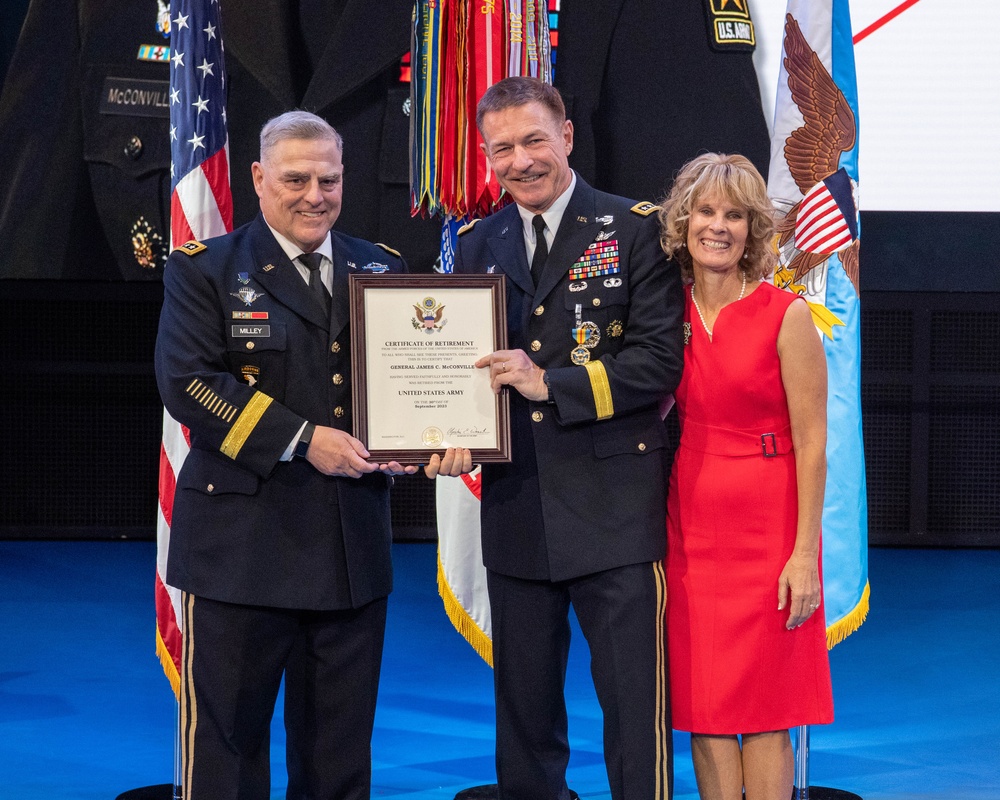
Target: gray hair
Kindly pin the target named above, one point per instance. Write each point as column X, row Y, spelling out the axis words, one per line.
column 297, row 125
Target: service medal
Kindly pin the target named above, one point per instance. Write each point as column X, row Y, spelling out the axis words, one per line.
column 587, row 334
column 579, row 355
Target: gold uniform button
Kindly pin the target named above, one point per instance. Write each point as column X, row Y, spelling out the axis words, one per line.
column 597, row 301
column 338, row 379
column 642, row 447
column 536, row 345
column 133, row 147
column 338, row 412
column 335, row 347
column 210, row 488
column 537, row 416
column 539, row 311
column 249, row 345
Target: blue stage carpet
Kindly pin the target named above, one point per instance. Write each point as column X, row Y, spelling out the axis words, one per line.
column 86, row 714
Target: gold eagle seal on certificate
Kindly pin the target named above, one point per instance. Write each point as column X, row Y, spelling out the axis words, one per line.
column 432, row 437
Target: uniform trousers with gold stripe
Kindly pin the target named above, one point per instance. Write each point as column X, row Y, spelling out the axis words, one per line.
column 621, row 613
column 229, row 684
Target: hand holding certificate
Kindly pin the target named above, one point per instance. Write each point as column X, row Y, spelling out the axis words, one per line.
column 417, row 391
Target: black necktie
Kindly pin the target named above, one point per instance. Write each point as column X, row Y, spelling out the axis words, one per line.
column 313, row 262
column 541, row 248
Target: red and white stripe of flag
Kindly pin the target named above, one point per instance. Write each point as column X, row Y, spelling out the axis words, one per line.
column 820, row 226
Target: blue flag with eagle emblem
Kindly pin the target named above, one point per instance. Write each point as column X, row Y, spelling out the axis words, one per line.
column 813, row 182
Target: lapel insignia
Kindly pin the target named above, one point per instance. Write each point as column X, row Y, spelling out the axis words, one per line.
column 352, row 265
column 492, row 269
column 268, row 267
column 582, row 220
column 503, row 232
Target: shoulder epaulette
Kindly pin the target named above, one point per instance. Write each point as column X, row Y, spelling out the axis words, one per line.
column 644, row 209
column 388, row 249
column 468, row 226
column 191, row 247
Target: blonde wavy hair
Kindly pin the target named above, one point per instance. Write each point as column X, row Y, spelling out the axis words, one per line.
column 735, row 178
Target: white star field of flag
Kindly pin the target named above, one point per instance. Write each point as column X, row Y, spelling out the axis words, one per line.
column 197, row 86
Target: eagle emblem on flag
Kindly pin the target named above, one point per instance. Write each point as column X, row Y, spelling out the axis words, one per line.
column 825, row 220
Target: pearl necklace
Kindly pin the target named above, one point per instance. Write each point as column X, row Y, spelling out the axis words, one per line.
column 698, row 308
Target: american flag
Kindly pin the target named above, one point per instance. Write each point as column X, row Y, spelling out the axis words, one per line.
column 826, row 218
column 200, row 207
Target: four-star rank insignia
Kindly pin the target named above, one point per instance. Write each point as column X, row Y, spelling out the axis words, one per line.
column 644, row 209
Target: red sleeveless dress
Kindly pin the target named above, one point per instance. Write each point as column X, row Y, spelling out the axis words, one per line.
column 731, row 519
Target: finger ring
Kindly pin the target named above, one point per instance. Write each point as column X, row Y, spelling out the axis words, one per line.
column 504, row 365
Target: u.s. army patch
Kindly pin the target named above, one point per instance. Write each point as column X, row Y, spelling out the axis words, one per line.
column 730, row 29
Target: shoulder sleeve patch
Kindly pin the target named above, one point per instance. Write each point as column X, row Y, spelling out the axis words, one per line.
column 468, row 226
column 191, row 247
column 388, row 249
column 644, row 209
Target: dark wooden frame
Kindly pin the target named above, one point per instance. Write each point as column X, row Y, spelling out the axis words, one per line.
column 359, row 285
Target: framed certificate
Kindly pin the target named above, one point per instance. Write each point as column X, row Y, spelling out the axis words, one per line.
column 416, row 392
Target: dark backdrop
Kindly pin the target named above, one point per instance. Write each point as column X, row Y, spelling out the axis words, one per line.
column 81, row 417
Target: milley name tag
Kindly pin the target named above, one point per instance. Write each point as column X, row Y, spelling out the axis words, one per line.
column 252, row 330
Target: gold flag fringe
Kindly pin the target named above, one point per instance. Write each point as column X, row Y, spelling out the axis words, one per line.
column 460, row 618
column 167, row 662
column 848, row 624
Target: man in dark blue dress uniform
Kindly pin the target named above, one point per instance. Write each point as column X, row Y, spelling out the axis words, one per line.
column 594, row 315
column 280, row 539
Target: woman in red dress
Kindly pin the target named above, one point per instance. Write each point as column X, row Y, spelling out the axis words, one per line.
column 746, row 631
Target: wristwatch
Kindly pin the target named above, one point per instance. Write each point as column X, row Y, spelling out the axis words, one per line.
column 302, row 446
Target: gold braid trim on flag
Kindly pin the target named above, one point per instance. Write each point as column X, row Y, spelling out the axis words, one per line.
column 602, row 389
column 847, row 625
column 245, row 424
column 169, row 668
column 460, row 618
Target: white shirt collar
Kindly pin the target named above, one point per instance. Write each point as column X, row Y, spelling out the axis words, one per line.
column 552, row 216
column 293, row 251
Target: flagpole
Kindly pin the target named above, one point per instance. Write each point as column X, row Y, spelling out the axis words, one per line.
column 802, row 790
column 178, row 787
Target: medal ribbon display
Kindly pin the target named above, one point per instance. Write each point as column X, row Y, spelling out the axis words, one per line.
column 460, row 49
